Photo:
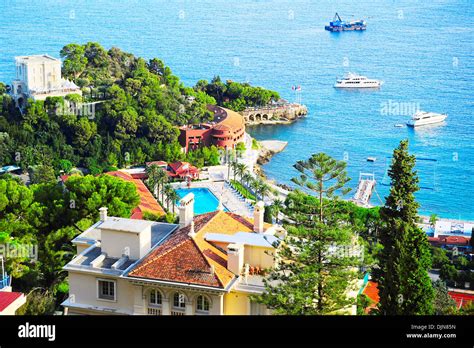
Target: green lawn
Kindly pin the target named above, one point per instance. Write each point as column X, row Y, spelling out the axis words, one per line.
column 242, row 190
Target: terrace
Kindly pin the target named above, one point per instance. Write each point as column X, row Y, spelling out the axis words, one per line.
column 95, row 259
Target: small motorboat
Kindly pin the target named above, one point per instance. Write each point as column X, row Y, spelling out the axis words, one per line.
column 371, row 159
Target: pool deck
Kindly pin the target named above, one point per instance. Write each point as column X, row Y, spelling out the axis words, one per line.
column 231, row 201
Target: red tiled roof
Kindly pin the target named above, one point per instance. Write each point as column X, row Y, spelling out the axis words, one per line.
column 7, row 298
column 222, row 127
column 176, row 166
column 137, row 214
column 147, row 201
column 64, row 177
column 232, row 119
column 452, row 240
column 158, row 163
column 179, row 259
column 372, row 291
column 455, row 240
column 462, row 299
column 141, row 176
column 180, row 168
column 191, row 260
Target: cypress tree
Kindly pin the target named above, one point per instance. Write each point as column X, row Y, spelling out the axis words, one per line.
column 404, row 261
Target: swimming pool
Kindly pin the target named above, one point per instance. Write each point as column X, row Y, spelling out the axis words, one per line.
column 204, row 200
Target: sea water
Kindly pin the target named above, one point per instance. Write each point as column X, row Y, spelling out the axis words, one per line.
column 422, row 50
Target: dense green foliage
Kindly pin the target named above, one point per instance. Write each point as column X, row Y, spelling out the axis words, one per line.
column 457, row 272
column 439, row 257
column 404, row 284
column 49, row 217
column 140, row 105
column 443, row 304
column 234, row 95
column 363, row 303
column 316, row 261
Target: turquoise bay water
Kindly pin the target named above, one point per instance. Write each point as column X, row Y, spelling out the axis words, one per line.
column 204, row 199
column 423, row 50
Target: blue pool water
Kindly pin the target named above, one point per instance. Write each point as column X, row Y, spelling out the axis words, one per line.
column 422, row 50
column 204, row 199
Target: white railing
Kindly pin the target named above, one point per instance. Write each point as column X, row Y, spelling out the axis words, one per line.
column 177, row 312
column 154, row 311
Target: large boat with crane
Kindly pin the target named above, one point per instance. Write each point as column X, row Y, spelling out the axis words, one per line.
column 338, row 24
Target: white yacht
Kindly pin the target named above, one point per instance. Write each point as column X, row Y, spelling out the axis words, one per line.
column 423, row 118
column 351, row 80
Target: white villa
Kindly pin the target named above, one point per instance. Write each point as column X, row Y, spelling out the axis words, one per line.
column 39, row 77
column 208, row 264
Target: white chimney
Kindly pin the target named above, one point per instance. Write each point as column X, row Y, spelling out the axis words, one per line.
column 186, row 210
column 192, row 233
column 235, row 258
column 258, row 213
column 103, row 214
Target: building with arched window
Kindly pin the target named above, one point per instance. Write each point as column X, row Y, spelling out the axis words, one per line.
column 225, row 131
column 39, row 77
column 209, row 264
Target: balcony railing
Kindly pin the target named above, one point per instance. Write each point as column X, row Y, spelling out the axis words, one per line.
column 177, row 312
column 154, row 311
column 4, row 282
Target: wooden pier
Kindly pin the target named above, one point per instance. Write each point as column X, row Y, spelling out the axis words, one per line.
column 365, row 189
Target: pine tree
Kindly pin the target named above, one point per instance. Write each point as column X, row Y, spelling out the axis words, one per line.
column 315, row 265
column 404, row 261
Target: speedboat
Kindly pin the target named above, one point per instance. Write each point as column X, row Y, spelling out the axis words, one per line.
column 423, row 118
column 351, row 80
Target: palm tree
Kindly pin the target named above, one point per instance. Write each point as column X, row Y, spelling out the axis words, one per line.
column 233, row 166
column 264, row 190
column 255, row 184
column 164, row 183
column 261, row 188
column 162, row 178
column 230, row 158
column 173, row 197
column 240, row 171
column 433, row 220
column 247, row 178
column 277, row 206
column 154, row 174
column 168, row 190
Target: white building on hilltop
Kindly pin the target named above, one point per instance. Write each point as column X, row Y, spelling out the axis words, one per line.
column 39, row 77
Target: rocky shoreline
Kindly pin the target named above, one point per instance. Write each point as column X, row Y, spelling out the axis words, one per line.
column 268, row 148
